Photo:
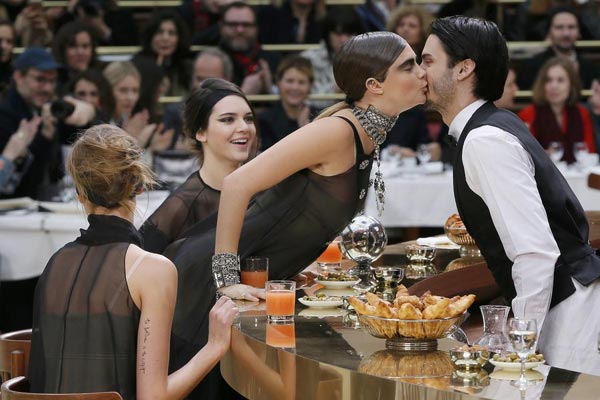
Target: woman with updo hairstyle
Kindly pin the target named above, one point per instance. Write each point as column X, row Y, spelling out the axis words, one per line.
column 305, row 188
column 103, row 306
column 219, row 121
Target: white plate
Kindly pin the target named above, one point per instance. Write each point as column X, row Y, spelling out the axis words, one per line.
column 321, row 303
column 336, row 284
column 321, row 312
column 516, row 365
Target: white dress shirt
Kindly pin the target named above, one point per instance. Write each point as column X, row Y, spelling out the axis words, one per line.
column 500, row 171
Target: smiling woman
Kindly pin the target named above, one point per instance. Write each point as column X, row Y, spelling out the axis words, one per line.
column 220, row 123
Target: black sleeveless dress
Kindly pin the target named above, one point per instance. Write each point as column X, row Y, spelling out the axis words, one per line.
column 189, row 204
column 290, row 223
column 85, row 322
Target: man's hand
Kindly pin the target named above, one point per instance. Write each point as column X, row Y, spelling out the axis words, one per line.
column 83, row 114
column 20, row 140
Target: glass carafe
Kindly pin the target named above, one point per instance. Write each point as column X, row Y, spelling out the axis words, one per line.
column 494, row 328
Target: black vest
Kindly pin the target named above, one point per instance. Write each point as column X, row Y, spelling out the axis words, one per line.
column 565, row 215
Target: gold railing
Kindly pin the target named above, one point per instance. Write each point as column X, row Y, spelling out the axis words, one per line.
column 512, row 46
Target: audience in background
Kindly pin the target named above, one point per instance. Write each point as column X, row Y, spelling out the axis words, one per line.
column 556, row 115
column 239, row 39
column 410, row 132
column 202, row 17
column 8, row 39
column 412, row 23
column 32, row 27
column 165, row 41
column 339, row 25
column 75, row 48
column 562, row 32
column 294, row 21
column 294, row 80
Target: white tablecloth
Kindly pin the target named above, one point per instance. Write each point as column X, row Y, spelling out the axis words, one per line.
column 427, row 200
column 28, row 239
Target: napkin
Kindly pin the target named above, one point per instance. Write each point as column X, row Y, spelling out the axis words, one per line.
column 437, row 241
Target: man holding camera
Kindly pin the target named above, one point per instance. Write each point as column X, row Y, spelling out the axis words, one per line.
column 33, row 93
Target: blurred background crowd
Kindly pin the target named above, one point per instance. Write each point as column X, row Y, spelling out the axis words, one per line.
column 67, row 65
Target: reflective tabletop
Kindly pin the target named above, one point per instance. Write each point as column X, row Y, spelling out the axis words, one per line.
column 323, row 354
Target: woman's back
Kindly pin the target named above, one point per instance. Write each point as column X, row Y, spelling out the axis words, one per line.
column 85, row 321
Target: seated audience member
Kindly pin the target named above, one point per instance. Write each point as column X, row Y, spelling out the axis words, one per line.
column 210, row 63
column 409, row 132
column 201, row 18
column 165, row 41
column 213, row 138
column 294, row 79
column 115, row 25
column 103, row 306
column 239, row 39
column 92, row 87
column 412, row 23
column 16, row 148
column 8, row 39
column 510, row 90
column 294, row 21
column 125, row 82
column 339, row 25
column 593, row 106
column 32, row 27
column 75, row 48
column 556, row 115
column 562, row 33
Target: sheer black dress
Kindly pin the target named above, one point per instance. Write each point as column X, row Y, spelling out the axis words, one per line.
column 290, row 223
column 189, row 204
column 85, row 322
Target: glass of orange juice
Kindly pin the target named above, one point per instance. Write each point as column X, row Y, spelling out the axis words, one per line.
column 281, row 334
column 254, row 271
column 330, row 261
column 281, row 300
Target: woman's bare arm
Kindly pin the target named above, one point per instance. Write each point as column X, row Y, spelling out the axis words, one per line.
column 154, row 289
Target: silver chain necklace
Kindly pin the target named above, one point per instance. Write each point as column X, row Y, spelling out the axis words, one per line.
column 377, row 125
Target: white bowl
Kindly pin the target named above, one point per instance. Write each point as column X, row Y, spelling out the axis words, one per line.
column 336, row 284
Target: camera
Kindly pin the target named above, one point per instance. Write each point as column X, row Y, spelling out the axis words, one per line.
column 61, row 109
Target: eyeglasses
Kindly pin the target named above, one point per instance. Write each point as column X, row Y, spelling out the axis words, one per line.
column 240, row 24
column 40, row 80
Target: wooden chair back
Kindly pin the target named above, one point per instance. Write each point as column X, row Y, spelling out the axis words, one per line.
column 476, row 279
column 18, row 389
column 594, row 181
column 14, row 354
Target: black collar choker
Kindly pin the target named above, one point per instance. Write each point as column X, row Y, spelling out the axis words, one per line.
column 377, row 125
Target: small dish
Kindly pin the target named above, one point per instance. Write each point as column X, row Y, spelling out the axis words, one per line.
column 332, row 303
column 336, row 284
column 515, row 366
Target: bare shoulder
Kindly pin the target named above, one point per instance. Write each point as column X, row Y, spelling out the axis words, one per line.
column 153, row 265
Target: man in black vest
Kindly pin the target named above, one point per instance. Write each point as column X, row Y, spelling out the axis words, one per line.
column 526, row 220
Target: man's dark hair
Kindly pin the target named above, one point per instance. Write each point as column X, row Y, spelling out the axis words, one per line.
column 481, row 41
column 237, row 4
column 559, row 10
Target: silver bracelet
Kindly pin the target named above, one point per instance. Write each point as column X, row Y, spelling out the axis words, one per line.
column 226, row 269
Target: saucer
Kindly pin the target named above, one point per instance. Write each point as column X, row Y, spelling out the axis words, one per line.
column 321, row 303
column 336, row 284
column 515, row 366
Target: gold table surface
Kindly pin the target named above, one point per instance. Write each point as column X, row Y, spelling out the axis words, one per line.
column 328, row 357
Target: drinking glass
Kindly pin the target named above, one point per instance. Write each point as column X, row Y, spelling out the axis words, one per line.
column 254, row 271
column 281, row 300
column 330, row 261
column 522, row 334
column 556, row 151
column 423, row 153
column 580, row 150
